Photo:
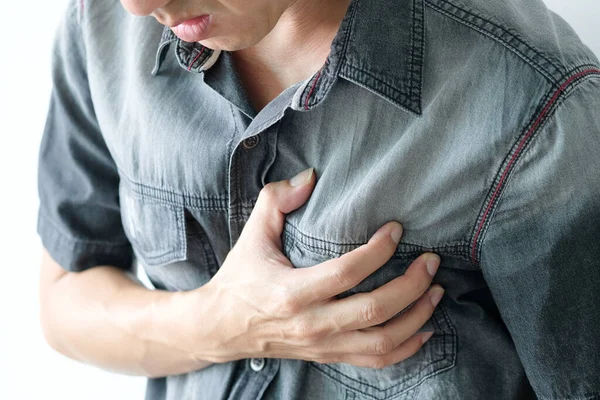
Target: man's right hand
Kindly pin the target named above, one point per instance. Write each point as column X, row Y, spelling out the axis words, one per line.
column 261, row 306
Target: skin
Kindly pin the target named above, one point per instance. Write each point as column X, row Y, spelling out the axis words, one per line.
column 241, row 24
column 258, row 304
column 275, row 43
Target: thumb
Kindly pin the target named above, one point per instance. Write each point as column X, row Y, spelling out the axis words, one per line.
column 274, row 201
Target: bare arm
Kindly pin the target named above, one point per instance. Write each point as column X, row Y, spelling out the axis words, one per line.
column 104, row 318
column 257, row 305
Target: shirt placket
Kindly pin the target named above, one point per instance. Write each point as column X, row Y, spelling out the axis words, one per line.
column 254, row 378
column 249, row 163
column 250, row 160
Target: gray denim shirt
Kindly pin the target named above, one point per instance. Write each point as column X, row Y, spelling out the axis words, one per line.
column 474, row 123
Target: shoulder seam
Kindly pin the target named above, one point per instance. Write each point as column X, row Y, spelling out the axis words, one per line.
column 506, row 37
column 544, row 112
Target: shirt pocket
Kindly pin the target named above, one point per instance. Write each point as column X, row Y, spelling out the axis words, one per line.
column 398, row 381
column 155, row 229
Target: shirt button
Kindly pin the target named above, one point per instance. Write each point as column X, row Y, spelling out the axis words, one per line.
column 251, row 142
column 257, row 364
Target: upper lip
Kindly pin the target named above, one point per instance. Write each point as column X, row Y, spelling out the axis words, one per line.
column 177, row 22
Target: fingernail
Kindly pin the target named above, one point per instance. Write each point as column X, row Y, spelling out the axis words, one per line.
column 433, row 263
column 436, row 295
column 396, row 233
column 426, row 336
column 302, row 178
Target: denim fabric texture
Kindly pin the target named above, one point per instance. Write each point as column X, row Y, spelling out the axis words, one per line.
column 474, row 123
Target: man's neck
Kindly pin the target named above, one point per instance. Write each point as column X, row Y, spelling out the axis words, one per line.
column 293, row 51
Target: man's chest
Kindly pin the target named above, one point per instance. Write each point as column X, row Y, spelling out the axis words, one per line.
column 374, row 161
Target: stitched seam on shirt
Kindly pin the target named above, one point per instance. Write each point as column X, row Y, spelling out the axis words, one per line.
column 459, row 252
column 306, row 107
column 432, row 364
column 324, row 367
column 153, row 253
column 591, row 396
column 294, row 236
column 504, row 41
column 412, row 100
column 551, row 102
column 184, row 51
column 196, row 58
column 171, row 197
column 78, row 241
column 234, row 210
column 416, row 56
column 229, row 159
column 342, row 57
column 325, row 250
column 389, row 86
column 269, row 122
column 386, row 96
column 172, row 192
column 313, row 238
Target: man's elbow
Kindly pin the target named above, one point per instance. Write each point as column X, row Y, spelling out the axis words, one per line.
column 51, row 276
column 49, row 331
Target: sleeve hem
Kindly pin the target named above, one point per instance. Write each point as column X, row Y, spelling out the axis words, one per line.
column 76, row 255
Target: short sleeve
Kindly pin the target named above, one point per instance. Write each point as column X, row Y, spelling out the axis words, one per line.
column 79, row 219
column 541, row 253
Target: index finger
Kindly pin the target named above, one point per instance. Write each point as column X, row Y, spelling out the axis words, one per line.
column 332, row 277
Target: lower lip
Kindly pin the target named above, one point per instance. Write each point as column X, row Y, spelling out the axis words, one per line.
column 193, row 30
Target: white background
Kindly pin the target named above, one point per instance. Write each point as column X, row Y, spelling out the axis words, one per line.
column 28, row 368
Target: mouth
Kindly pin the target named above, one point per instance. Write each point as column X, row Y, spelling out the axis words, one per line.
column 192, row 30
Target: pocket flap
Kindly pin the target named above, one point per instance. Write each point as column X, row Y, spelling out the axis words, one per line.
column 155, row 229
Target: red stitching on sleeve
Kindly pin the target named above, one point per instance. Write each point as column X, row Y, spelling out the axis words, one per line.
column 533, row 128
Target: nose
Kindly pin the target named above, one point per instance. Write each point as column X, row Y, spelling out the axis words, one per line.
column 143, row 7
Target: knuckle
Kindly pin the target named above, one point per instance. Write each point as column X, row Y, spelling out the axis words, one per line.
column 305, row 331
column 383, row 345
column 315, row 336
column 343, row 276
column 289, row 306
column 268, row 193
column 418, row 284
column 373, row 312
column 284, row 303
column 286, row 309
column 300, row 329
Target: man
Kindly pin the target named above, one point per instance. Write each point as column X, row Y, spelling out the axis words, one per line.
column 472, row 123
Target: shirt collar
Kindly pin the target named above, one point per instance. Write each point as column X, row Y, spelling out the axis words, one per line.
column 383, row 55
column 192, row 56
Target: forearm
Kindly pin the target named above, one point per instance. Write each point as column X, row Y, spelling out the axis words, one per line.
column 103, row 318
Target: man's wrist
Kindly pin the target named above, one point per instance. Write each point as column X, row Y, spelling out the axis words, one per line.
column 193, row 322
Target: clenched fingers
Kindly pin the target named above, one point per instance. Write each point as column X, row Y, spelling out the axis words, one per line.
column 407, row 349
column 337, row 275
column 364, row 310
column 384, row 339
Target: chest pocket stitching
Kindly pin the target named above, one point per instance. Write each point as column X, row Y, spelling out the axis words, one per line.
column 444, row 341
column 153, row 252
column 448, row 346
column 336, row 249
